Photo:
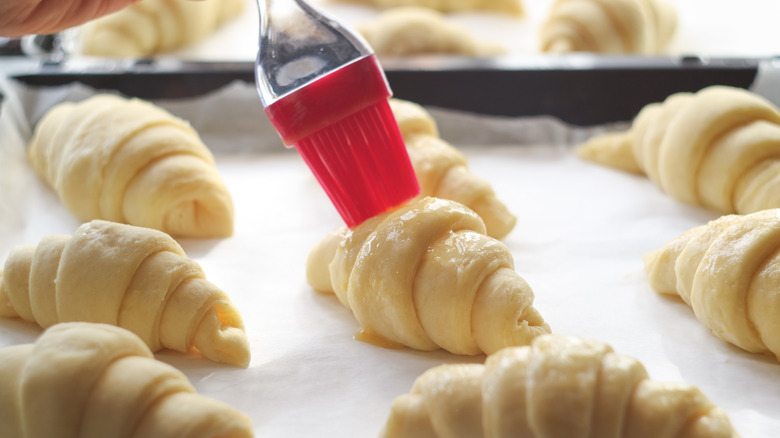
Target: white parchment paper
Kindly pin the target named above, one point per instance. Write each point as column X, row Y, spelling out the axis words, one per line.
column 581, row 232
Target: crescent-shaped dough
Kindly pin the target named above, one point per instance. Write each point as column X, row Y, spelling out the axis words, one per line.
column 95, row 380
column 728, row 271
column 426, row 276
column 718, row 148
column 510, row 7
column 151, row 27
column 609, row 26
column 130, row 161
column 559, row 386
column 443, row 171
column 414, row 30
column 136, row 278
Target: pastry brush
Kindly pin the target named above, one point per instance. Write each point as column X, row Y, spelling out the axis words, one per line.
column 326, row 95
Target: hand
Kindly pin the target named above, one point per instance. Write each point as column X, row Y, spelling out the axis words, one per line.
column 22, row 17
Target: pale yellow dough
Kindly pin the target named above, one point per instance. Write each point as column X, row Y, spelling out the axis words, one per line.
column 559, row 386
column 427, row 277
column 443, row 172
column 95, row 380
column 728, row 271
column 414, row 30
column 510, row 7
column 718, row 148
column 150, row 27
column 132, row 277
column 130, row 161
column 609, row 26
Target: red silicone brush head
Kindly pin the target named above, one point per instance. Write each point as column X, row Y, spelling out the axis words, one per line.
column 343, row 128
column 362, row 164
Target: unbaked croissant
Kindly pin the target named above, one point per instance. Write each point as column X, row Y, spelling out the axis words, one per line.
column 427, row 277
column 559, row 386
column 728, row 271
column 95, row 380
column 151, row 27
column 443, row 172
column 718, row 148
column 414, row 30
column 511, row 7
column 609, row 26
column 133, row 277
column 130, row 161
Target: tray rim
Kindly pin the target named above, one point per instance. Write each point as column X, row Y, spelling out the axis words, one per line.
column 558, row 86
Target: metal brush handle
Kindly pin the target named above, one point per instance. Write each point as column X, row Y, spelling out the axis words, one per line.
column 299, row 44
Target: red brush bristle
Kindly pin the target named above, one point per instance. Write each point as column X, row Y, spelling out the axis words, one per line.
column 362, row 163
column 342, row 126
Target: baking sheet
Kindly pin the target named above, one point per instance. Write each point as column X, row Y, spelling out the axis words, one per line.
column 611, row 88
column 706, row 28
column 582, row 230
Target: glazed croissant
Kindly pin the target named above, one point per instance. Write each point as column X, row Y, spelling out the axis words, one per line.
column 97, row 380
column 135, row 278
column 511, row 7
column 609, row 26
column 130, row 161
column 728, row 271
column 414, row 30
column 151, row 27
column 443, row 172
column 427, row 277
column 559, row 386
column 718, row 148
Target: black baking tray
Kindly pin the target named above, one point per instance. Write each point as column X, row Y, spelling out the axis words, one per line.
column 579, row 89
